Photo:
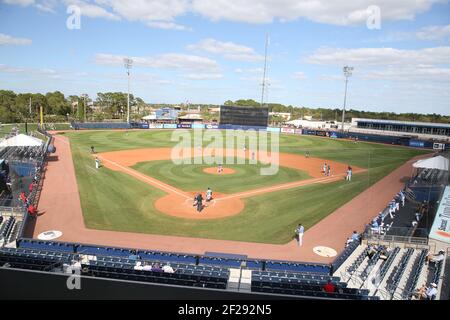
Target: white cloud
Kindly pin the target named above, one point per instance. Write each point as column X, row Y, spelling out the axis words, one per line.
column 171, row 61
column 204, row 76
column 228, row 50
column 30, row 71
column 380, row 56
column 410, row 73
column 324, row 11
column 167, row 25
column 388, row 63
column 22, row 3
column 263, row 11
column 434, row 32
column 299, row 75
column 91, row 10
column 8, row 40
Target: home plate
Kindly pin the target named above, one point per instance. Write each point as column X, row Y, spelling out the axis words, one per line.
column 325, row 251
column 49, row 235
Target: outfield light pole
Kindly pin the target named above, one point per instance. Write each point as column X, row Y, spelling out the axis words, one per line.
column 347, row 73
column 85, row 95
column 128, row 64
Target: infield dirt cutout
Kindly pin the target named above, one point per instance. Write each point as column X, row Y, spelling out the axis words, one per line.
column 180, row 203
column 213, row 170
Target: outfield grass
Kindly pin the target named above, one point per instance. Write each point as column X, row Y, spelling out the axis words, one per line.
column 116, row 201
column 189, row 177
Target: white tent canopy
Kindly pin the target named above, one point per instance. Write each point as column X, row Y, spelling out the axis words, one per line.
column 439, row 163
column 149, row 117
column 21, row 140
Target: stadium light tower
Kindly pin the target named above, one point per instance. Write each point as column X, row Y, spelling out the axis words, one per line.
column 128, row 64
column 347, row 73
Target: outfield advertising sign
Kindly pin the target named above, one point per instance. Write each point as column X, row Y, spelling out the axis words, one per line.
column 155, row 126
column 298, row 131
column 212, row 126
column 198, row 126
column 416, row 143
column 270, row 129
column 288, row 130
column 441, row 225
column 184, row 126
column 169, row 126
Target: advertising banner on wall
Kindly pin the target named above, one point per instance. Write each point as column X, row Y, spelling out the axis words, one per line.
column 155, row 125
column 333, row 135
column 441, row 225
column 198, row 126
column 322, row 133
column 270, row 129
column 416, row 143
column 169, row 126
column 309, row 132
column 298, row 131
column 143, row 125
column 184, row 126
column 212, row 126
column 288, row 130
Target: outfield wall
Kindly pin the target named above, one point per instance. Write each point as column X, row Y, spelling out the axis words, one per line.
column 392, row 140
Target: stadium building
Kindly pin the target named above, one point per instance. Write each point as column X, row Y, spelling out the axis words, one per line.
column 421, row 130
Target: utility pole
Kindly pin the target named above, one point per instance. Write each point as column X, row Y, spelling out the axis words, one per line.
column 347, row 73
column 128, row 64
column 264, row 84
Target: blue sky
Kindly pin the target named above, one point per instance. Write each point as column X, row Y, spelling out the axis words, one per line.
column 209, row 51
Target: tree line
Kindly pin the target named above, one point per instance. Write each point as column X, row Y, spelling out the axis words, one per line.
column 22, row 107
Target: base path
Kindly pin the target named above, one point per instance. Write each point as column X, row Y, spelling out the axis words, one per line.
column 179, row 203
column 60, row 205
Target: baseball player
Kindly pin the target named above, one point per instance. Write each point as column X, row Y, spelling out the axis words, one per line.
column 208, row 194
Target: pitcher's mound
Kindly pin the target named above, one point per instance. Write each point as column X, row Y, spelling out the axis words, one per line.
column 213, row 170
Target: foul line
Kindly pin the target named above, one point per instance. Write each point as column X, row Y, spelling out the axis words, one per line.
column 285, row 186
column 147, row 178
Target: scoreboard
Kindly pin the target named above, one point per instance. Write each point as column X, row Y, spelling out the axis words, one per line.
column 244, row 116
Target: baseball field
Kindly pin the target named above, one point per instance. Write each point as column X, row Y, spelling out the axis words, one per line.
column 139, row 189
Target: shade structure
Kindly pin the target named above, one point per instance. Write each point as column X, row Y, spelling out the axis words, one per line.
column 439, row 163
column 21, row 140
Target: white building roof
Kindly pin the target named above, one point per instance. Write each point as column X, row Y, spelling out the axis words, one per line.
column 21, row 140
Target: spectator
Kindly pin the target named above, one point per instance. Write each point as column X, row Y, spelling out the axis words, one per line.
column 380, row 218
column 329, row 287
column 435, row 257
column 347, row 243
column 138, row 266
column 147, row 267
column 133, row 256
column 32, row 211
column 431, row 291
column 420, row 293
column 156, row 268
column 371, row 252
column 355, row 236
column 168, row 269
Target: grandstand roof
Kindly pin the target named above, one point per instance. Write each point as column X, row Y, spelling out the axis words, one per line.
column 438, row 162
column 21, row 140
column 410, row 123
